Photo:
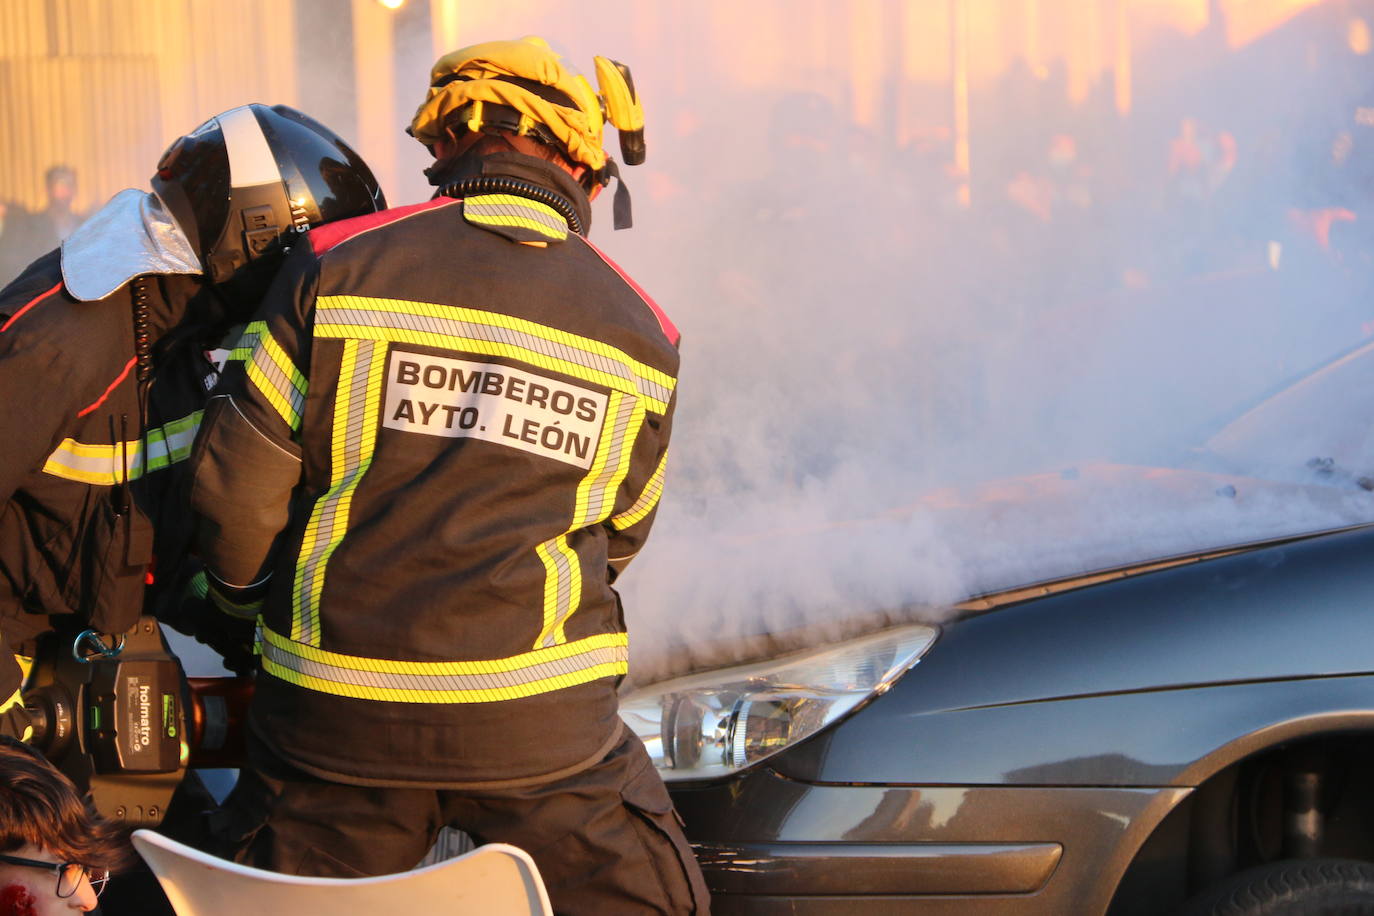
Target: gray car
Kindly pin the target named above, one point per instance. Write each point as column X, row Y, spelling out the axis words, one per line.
column 1189, row 732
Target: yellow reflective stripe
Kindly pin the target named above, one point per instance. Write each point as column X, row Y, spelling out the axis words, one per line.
column 25, row 666
column 247, row 610
column 524, row 675
column 593, row 503
column 107, row 465
column 562, row 588
column 247, row 342
column 492, row 334
column 272, row 372
column 16, row 699
column 653, row 491
column 356, row 405
column 509, row 210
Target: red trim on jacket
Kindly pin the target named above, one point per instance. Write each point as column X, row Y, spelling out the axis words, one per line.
column 31, row 304
column 326, row 237
column 128, row 367
column 669, row 329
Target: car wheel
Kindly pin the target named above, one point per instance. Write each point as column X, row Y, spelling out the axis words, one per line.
column 1298, row 887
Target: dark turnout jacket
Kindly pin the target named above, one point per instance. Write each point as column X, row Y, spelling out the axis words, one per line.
column 86, row 476
column 444, row 433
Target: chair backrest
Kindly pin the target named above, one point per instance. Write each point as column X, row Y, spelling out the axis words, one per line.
column 492, row 880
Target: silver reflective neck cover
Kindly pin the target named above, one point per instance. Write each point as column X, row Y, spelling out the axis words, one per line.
column 129, row 236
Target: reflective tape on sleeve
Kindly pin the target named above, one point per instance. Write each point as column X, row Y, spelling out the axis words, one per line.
column 272, row 372
column 516, row 677
column 110, row 464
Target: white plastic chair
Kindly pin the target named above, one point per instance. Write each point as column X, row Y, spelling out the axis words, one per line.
column 492, row 880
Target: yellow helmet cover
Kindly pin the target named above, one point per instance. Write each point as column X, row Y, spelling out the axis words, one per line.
column 528, row 77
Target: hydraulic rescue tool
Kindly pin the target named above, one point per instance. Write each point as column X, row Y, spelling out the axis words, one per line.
column 119, row 716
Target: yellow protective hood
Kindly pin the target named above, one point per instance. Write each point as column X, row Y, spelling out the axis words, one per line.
column 480, row 74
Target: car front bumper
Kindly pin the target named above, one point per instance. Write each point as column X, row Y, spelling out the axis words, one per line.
column 773, row 845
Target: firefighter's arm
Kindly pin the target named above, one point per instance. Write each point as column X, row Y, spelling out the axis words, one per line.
column 42, row 392
column 247, row 457
column 637, row 500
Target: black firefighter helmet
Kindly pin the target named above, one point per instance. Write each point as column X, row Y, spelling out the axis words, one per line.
column 245, row 182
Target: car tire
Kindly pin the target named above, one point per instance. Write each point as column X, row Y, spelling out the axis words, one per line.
column 1298, row 887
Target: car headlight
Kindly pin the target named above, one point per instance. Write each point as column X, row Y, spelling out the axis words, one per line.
column 716, row 723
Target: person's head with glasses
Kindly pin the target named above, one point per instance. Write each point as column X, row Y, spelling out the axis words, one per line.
column 55, row 852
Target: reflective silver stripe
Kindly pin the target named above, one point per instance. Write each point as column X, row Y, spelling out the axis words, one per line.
column 594, row 501
column 532, row 673
column 272, row 372
column 600, row 487
column 653, row 490
column 356, row 406
column 510, row 210
column 250, row 158
column 335, row 315
column 107, row 465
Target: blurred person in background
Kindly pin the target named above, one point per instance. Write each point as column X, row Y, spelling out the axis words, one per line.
column 51, row 225
column 55, row 852
column 431, row 538
column 104, row 373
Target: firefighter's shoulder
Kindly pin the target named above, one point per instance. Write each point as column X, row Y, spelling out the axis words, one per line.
column 665, row 324
column 334, row 234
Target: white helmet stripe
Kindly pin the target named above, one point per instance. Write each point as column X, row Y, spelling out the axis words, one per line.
column 250, row 158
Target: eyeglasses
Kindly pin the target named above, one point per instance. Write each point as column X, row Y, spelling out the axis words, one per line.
column 69, row 874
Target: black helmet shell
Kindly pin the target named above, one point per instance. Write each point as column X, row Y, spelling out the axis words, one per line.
column 245, row 182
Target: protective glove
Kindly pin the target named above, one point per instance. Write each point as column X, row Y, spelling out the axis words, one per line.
column 218, row 621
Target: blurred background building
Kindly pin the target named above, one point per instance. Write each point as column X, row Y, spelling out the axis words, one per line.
column 104, row 85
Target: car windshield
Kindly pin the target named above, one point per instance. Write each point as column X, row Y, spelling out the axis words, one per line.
column 1311, row 429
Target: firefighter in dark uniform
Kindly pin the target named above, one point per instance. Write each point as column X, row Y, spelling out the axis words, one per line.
column 445, row 438
column 104, row 368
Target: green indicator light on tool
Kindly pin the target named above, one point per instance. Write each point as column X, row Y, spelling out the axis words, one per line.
column 95, row 717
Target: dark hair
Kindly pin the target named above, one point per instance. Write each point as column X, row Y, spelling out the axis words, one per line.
column 40, row 807
column 59, row 173
column 499, row 142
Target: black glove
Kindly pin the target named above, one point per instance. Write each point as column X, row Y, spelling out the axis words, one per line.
column 231, row 636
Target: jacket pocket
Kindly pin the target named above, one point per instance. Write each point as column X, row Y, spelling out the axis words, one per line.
column 99, row 567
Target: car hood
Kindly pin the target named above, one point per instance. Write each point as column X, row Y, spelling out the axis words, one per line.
column 713, row 598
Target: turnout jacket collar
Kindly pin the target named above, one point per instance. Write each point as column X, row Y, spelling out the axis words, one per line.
column 518, row 166
column 129, row 236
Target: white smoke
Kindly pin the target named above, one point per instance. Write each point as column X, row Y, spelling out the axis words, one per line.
column 891, row 401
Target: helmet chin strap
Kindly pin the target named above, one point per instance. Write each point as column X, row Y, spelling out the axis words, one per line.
column 622, row 217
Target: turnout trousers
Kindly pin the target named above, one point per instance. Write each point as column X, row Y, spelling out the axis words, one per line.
column 606, row 839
